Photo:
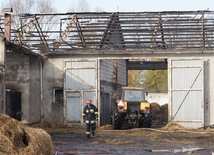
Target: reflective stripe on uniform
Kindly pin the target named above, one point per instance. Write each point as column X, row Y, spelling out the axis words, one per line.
column 87, row 111
column 91, row 110
column 83, row 114
column 88, row 133
column 96, row 113
column 87, row 121
column 93, row 121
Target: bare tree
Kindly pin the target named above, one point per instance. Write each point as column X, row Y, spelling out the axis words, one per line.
column 83, row 6
column 99, row 9
column 22, row 7
column 79, row 6
column 24, row 21
column 30, row 6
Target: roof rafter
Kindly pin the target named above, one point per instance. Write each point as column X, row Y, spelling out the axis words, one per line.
column 23, row 31
column 76, row 22
column 41, row 35
column 112, row 25
column 65, row 33
column 90, row 31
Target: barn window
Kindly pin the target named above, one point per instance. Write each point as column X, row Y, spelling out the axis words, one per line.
column 57, row 95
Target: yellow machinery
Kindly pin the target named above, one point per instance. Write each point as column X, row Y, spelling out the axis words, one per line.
column 132, row 108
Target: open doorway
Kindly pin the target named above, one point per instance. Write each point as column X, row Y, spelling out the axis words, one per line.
column 13, row 104
column 152, row 75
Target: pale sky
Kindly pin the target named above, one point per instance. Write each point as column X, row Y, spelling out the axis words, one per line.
column 63, row 6
column 140, row 5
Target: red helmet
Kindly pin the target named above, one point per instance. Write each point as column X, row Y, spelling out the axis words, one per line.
column 88, row 101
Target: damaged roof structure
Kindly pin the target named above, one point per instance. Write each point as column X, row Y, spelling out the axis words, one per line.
column 118, row 31
column 88, row 55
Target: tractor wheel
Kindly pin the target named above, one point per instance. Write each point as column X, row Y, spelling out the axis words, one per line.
column 140, row 123
column 116, row 118
column 147, row 122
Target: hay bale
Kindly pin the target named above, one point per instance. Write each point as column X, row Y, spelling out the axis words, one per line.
column 39, row 142
column 17, row 139
column 11, row 135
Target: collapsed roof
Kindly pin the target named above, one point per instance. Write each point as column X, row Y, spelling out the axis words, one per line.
column 171, row 30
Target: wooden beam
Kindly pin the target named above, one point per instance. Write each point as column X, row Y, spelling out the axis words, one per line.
column 147, row 65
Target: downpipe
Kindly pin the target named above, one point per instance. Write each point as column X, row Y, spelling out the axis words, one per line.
column 41, row 89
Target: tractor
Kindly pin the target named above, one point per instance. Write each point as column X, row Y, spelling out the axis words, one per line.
column 131, row 109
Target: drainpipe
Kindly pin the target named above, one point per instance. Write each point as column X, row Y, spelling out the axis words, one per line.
column 7, row 22
column 41, row 89
column 98, row 92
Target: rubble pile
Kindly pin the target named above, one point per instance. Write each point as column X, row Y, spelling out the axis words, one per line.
column 17, row 138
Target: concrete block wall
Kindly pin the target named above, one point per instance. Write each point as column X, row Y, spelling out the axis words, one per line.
column 53, row 76
column 22, row 75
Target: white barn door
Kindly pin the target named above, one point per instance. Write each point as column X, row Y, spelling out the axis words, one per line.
column 186, row 92
column 80, row 84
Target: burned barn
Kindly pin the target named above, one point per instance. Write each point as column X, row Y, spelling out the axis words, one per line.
column 51, row 63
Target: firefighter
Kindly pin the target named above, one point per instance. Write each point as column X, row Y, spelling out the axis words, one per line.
column 90, row 116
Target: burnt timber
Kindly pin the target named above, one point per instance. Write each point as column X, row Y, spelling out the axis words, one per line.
column 121, row 33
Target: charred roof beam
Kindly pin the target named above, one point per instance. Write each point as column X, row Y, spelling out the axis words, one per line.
column 108, row 29
column 66, row 32
column 76, row 22
column 41, row 35
column 202, row 31
column 158, row 27
column 24, row 31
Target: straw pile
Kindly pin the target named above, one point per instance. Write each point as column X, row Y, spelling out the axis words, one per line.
column 18, row 139
column 159, row 113
column 173, row 126
column 106, row 127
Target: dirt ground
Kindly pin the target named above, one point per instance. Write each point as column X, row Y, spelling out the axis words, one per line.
column 162, row 139
column 170, row 139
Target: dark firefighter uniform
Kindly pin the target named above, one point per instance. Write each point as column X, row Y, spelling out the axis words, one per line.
column 90, row 116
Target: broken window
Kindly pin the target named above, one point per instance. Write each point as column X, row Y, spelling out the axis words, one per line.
column 57, row 95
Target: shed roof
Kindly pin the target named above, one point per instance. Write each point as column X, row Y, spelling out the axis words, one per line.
column 117, row 31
